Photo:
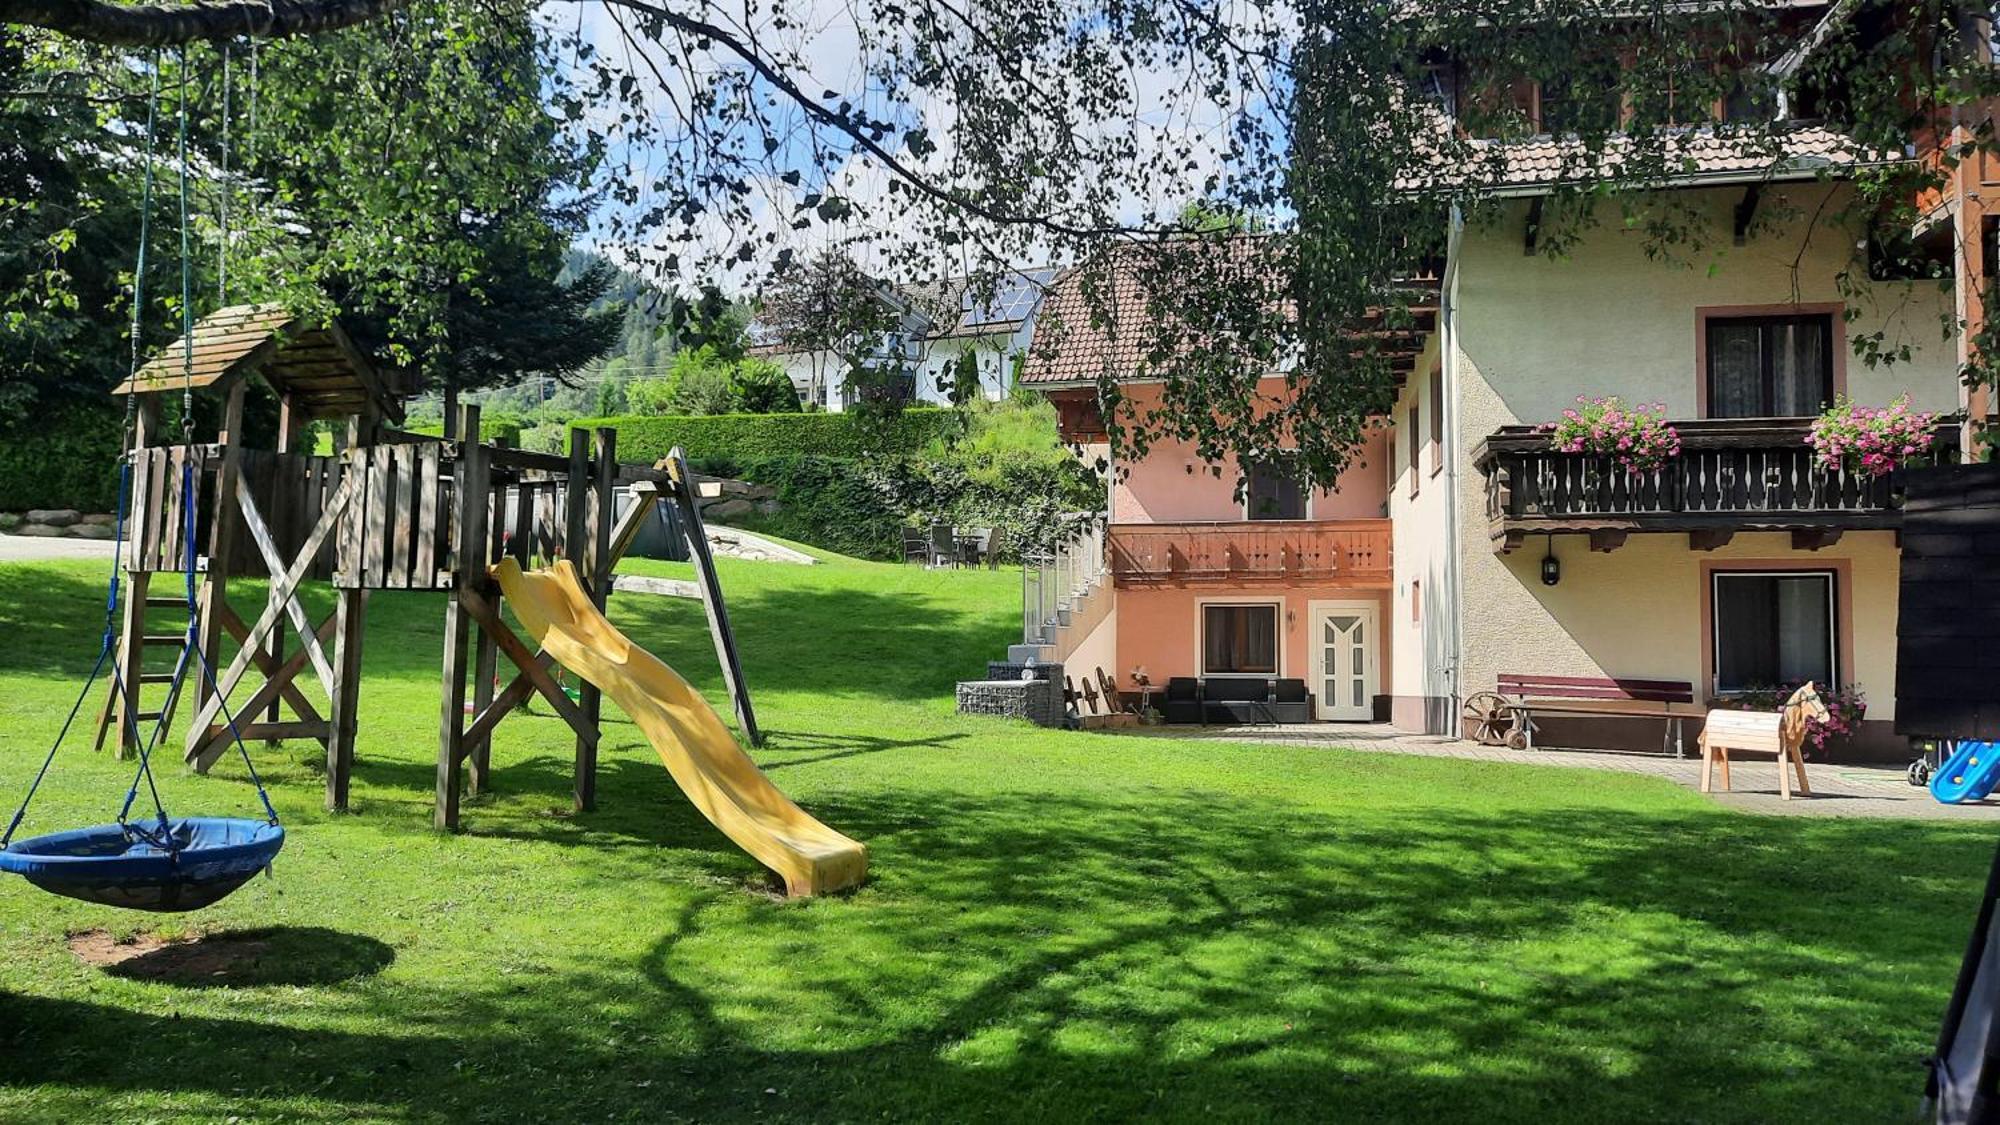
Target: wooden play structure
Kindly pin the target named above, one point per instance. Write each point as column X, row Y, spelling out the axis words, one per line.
column 1779, row 733
column 391, row 510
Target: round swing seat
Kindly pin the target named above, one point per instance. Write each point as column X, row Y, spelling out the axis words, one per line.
column 113, row 865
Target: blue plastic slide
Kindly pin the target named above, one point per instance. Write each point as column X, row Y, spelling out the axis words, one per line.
column 1969, row 774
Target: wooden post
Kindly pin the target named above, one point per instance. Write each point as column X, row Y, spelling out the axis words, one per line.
column 469, row 556
column 350, row 611
column 711, row 596
column 479, row 777
column 221, row 537
column 595, row 570
column 131, row 654
column 579, row 532
column 293, row 430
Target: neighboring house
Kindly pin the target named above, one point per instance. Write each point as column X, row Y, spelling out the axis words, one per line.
column 937, row 327
column 1422, row 579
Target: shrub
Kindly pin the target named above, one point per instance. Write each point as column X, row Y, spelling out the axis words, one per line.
column 764, row 388
column 829, row 502
column 492, row 428
column 1638, row 437
column 64, row 457
column 1873, row 440
column 752, row 437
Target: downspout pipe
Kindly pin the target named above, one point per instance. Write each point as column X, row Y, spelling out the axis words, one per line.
column 1448, row 360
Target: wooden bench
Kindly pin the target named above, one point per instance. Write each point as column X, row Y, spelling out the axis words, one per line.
column 1527, row 696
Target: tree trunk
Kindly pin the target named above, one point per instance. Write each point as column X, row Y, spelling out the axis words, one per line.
column 158, row 25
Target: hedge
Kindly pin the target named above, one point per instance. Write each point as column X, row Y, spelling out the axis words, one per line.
column 757, row 437
column 64, row 457
column 490, row 429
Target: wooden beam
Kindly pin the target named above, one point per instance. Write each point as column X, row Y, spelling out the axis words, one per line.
column 273, row 610
column 711, row 601
column 274, row 563
column 1607, row 539
column 207, row 741
column 1710, row 539
column 268, row 661
column 1746, row 212
column 1509, row 541
column 1815, row 539
column 480, row 731
column 645, row 497
column 530, row 663
column 349, row 614
column 469, row 554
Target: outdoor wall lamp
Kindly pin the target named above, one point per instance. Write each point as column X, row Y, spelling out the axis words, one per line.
column 1552, row 571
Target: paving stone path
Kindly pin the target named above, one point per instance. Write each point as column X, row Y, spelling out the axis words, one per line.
column 1838, row 790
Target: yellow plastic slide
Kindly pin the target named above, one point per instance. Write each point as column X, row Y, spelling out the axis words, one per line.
column 698, row 749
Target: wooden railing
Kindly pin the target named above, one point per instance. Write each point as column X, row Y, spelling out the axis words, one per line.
column 1758, row 470
column 1214, row 552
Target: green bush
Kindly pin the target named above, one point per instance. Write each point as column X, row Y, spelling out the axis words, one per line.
column 498, row 427
column 751, row 437
column 829, row 502
column 66, row 457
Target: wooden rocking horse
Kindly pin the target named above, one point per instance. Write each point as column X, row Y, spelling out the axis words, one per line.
column 1761, row 732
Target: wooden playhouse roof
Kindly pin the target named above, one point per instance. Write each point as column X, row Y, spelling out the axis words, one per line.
column 318, row 367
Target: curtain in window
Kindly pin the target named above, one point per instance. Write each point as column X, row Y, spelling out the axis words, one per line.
column 1798, row 368
column 1240, row 638
column 1276, row 492
column 1735, row 370
column 1772, row 630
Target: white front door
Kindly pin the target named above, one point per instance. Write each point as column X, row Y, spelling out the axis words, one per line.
column 1344, row 659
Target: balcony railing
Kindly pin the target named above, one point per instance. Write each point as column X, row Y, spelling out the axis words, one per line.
column 1746, row 473
column 1219, row 552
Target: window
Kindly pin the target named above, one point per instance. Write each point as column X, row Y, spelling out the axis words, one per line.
column 1769, row 366
column 1773, row 629
column 1411, row 442
column 1586, row 100
column 1274, row 491
column 1437, row 420
column 1239, row 640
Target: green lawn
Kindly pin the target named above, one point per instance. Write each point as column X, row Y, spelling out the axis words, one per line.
column 1058, row 926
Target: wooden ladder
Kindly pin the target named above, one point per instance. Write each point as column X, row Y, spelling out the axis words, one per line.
column 108, row 718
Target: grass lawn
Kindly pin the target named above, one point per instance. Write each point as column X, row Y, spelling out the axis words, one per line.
column 1058, row 926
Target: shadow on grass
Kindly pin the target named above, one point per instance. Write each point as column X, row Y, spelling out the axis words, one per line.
column 1071, row 958
column 298, row 956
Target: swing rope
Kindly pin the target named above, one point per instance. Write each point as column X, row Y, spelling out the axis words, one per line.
column 161, row 836
column 124, row 460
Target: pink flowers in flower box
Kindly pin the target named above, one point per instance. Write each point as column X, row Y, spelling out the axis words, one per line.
column 1871, row 439
column 1637, row 436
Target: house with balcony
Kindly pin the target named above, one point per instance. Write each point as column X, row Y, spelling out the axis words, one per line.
column 949, row 341
column 1462, row 548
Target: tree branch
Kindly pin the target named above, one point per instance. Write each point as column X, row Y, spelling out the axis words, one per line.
column 159, row 25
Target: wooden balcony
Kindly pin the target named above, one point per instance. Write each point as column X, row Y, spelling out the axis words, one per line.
column 1343, row 551
column 1738, row 474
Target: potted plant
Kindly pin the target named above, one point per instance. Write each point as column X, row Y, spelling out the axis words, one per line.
column 1845, row 708
column 1639, row 437
column 1871, row 440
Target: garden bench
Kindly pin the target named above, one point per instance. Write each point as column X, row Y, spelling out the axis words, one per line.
column 1521, row 697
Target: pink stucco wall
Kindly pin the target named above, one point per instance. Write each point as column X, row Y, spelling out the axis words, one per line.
column 1159, row 628
column 1173, row 485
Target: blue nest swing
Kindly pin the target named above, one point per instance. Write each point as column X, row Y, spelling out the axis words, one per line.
column 197, row 861
column 163, row 864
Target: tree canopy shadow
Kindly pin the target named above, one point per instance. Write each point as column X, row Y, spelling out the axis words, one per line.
column 1022, row 955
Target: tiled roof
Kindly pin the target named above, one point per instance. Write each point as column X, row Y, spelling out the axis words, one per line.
column 1096, row 320
column 1695, row 154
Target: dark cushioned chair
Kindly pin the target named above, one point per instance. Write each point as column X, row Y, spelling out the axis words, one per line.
column 1236, row 699
column 1182, row 701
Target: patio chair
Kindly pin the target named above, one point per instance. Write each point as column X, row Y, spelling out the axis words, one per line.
column 943, row 546
column 916, row 545
column 973, row 545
